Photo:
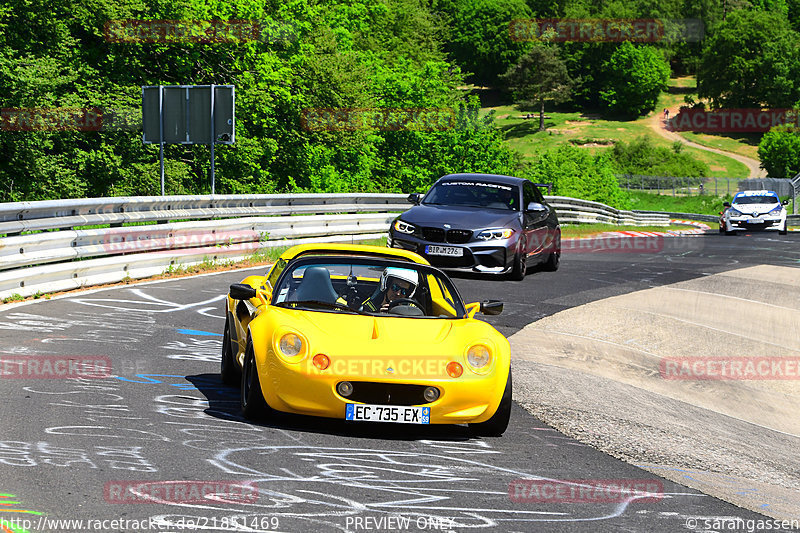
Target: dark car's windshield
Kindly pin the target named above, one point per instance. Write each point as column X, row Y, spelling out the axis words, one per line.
column 367, row 286
column 474, row 194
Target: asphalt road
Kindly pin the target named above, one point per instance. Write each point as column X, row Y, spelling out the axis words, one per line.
column 69, row 446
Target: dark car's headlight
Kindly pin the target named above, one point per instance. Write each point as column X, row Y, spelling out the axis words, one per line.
column 404, row 227
column 498, row 233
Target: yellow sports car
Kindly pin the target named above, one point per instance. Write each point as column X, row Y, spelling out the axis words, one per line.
column 365, row 333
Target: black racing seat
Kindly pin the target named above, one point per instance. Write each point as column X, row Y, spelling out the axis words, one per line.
column 316, row 285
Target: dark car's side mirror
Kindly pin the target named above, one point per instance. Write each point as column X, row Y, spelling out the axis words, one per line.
column 491, row 307
column 535, row 207
column 414, row 198
column 726, row 204
column 242, row 291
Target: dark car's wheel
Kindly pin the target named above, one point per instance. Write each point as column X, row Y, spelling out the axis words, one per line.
column 551, row 265
column 496, row 426
column 229, row 370
column 252, row 400
column 520, row 267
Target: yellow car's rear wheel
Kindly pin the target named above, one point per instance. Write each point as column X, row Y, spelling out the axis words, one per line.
column 253, row 404
column 495, row 426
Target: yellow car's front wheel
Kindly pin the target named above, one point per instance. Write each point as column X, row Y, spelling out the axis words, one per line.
column 498, row 423
column 229, row 370
column 252, row 400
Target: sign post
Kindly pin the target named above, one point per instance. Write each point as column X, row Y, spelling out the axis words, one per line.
column 188, row 114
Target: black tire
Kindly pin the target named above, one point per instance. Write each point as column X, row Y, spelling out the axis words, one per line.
column 228, row 369
column 721, row 229
column 785, row 230
column 254, row 407
column 498, row 423
column 520, row 267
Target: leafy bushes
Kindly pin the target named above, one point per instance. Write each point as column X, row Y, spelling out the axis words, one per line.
column 642, row 157
column 577, row 174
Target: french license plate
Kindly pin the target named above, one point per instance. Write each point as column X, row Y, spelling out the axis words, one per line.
column 756, row 220
column 444, row 250
column 388, row 413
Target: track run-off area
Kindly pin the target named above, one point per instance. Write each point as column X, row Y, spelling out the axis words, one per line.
column 594, row 408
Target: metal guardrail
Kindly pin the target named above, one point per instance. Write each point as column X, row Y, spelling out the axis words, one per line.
column 792, row 220
column 220, row 228
column 573, row 210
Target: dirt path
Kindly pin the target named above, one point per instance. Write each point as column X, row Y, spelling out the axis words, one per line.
column 656, row 122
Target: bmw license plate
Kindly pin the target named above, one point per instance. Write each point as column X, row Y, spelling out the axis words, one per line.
column 388, row 413
column 452, row 251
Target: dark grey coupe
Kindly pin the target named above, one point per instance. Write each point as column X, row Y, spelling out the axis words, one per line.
column 482, row 223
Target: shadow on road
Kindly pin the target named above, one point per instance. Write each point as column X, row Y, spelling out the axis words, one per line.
column 223, row 403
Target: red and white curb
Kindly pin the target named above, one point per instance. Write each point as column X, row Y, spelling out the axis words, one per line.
column 699, row 228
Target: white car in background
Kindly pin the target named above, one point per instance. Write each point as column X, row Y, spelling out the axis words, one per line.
column 754, row 211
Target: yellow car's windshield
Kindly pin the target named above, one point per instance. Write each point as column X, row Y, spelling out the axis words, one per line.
column 367, row 286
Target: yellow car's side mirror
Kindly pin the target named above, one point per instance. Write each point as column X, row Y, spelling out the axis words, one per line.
column 488, row 307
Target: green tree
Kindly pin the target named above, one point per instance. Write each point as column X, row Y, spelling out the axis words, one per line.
column 779, row 152
column 751, row 60
column 539, row 76
column 479, row 39
column 634, row 78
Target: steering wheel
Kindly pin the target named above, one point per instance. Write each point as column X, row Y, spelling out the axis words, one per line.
column 405, row 301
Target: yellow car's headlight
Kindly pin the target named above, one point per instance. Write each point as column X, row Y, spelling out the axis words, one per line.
column 478, row 356
column 290, row 345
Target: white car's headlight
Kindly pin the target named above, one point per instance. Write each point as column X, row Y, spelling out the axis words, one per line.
column 499, row 233
column 403, row 227
column 478, row 356
column 734, row 212
column 777, row 211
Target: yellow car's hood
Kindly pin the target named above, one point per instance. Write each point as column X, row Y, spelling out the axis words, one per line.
column 338, row 333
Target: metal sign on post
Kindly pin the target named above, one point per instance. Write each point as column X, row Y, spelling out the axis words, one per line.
column 188, row 114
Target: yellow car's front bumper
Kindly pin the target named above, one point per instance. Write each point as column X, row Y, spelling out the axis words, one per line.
column 301, row 389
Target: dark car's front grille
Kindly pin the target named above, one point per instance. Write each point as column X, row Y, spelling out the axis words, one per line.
column 453, row 236
column 387, row 393
column 459, row 236
column 433, row 234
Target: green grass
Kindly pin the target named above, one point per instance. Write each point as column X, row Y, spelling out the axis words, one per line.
column 584, row 230
column 740, row 143
column 703, row 205
column 522, row 134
